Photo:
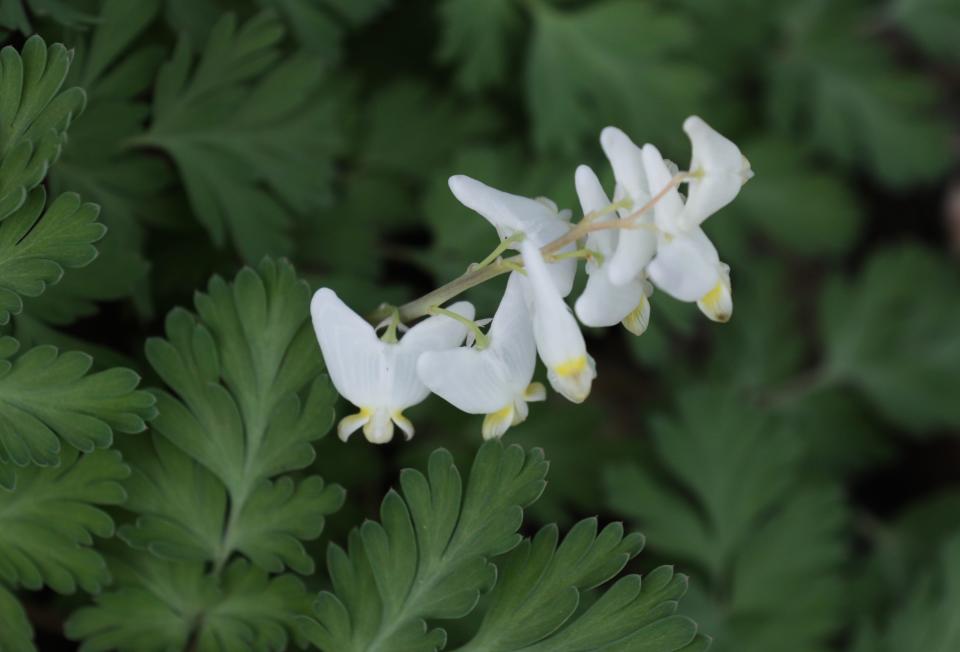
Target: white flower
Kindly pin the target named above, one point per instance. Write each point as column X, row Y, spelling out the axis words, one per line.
column 496, row 380
column 570, row 369
column 602, row 302
column 718, row 170
column 635, row 246
column 378, row 377
column 538, row 219
column 687, row 265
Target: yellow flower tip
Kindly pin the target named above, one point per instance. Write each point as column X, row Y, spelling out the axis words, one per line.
column 496, row 423
column 573, row 378
column 403, row 423
column 571, row 367
column 350, row 423
column 717, row 304
column 638, row 319
column 535, row 392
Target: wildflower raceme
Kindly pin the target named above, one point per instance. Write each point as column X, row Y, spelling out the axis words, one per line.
column 647, row 236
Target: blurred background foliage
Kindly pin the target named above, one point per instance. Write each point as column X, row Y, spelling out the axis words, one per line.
column 801, row 463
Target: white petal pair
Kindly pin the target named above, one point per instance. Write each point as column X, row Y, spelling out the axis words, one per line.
column 687, row 265
column 603, row 302
column 635, row 246
column 496, row 380
column 378, row 377
column 538, row 219
column 717, row 172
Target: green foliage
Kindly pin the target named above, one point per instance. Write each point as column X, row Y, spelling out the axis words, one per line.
column 162, row 606
column 246, row 401
column 800, row 208
column 933, row 23
column 727, row 496
column 249, row 404
column 905, row 366
column 36, row 244
column 16, row 634
column 601, row 64
column 221, row 115
column 926, row 618
column 50, row 518
column 429, row 559
column 46, row 396
column 476, row 36
column 34, row 116
column 852, row 103
column 15, row 14
column 538, row 594
column 99, row 164
column 318, row 26
column 212, row 132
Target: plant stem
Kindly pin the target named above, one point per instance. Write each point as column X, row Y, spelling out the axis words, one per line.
column 480, row 274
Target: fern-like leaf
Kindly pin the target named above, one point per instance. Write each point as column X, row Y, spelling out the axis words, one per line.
column 34, row 116
column 49, row 519
column 16, row 14
column 16, row 635
column 222, row 115
column 162, row 606
column 536, row 604
column 428, row 557
column 36, row 245
column 47, row 396
column 728, row 497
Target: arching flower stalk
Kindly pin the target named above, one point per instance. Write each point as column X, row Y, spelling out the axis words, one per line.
column 649, row 232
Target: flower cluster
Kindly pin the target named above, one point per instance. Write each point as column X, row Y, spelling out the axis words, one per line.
column 647, row 236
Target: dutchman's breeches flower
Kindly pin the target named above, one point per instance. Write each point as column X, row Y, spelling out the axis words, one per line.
column 649, row 232
column 378, row 376
column 513, row 216
column 560, row 344
column 717, row 172
column 604, row 303
column 494, row 377
column 687, row 265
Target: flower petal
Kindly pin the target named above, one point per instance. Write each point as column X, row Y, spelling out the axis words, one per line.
column 405, row 425
column 472, row 381
column 639, row 318
column 686, row 267
column 436, row 333
column 593, row 198
column 351, row 423
column 717, row 304
column 351, row 349
column 510, row 213
column 537, row 218
column 605, row 304
column 379, row 429
column 535, row 392
column 563, row 272
column 497, row 423
column 719, row 170
column 668, row 209
column 559, row 340
column 635, row 249
column 627, row 163
column 511, row 334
